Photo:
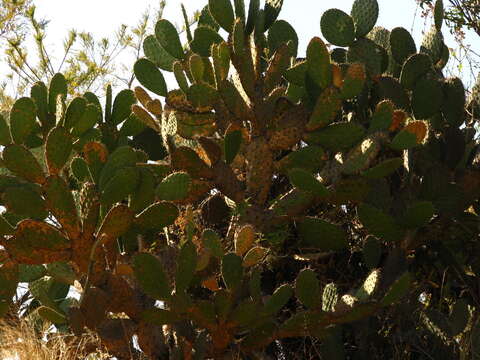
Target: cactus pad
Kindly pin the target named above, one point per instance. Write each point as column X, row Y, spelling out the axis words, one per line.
column 337, row 27
column 364, row 14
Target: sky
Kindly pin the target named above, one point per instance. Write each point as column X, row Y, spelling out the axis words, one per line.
column 103, row 17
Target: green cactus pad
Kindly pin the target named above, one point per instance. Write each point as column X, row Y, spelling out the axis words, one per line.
column 369, row 286
column 438, row 14
column 296, row 74
column 310, row 158
column 383, row 169
column 168, row 38
column 244, row 314
column 272, row 10
column 361, row 156
column 5, row 227
column 432, row 44
column 133, row 126
column 39, row 95
column 196, row 67
column 122, row 105
column 116, row 222
column 108, row 103
column 372, row 252
column 22, row 119
column 336, row 136
column 380, row 36
column 244, row 239
column 364, row 14
column 221, row 61
column 254, row 256
column 174, row 187
column 57, row 149
column 239, row 9
column 367, row 52
column 62, row 272
column 38, row 243
column 122, row 184
column 93, row 134
column 222, row 12
column 419, row 214
column 318, row 63
column 92, row 99
column 25, row 201
column 382, row 117
column 402, row 45
column 90, row 117
column 320, row 234
column 238, row 38
column 60, row 202
column 157, row 54
column 290, row 202
column 337, row 27
column 326, row 109
column 427, row 97
column 398, row 289
column 144, row 194
column 58, row 86
column 29, row 273
column 203, row 39
column 185, row 158
column 278, row 299
column 379, row 224
column 232, row 99
column 279, row 64
column 306, row 181
column 5, row 137
column 186, row 264
column 95, row 155
column 281, row 32
column 253, row 10
column 150, row 77
column 307, row 288
column 123, row 156
column 74, row 112
column 206, row 19
column 21, row 162
column 52, row 315
column 459, row 317
column 159, row 316
column 339, row 55
column 232, row 143
column 329, row 297
column 454, row 102
column 202, row 96
column 179, row 72
column 387, row 87
column 232, row 270
column 354, row 81
column 157, row 216
column 211, row 240
column 151, row 276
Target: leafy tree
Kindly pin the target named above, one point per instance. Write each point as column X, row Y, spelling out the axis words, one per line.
column 461, row 14
column 270, row 207
column 87, row 63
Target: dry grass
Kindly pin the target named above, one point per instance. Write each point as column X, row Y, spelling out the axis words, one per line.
column 21, row 341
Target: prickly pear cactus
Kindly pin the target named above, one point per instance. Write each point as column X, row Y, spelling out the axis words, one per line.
column 265, row 198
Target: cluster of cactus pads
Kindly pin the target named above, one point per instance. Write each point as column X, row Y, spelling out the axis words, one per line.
column 268, row 197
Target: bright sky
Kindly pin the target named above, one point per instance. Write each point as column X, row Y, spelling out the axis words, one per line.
column 103, row 17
